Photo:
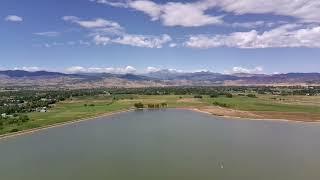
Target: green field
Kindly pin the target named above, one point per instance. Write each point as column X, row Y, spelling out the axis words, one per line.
column 265, row 103
column 85, row 107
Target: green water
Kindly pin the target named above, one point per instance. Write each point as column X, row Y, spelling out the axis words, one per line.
column 165, row 145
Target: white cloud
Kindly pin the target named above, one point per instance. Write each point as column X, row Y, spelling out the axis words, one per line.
column 115, row 3
column 143, row 41
column 172, row 13
column 238, row 69
column 187, row 14
column 152, row 69
column 306, row 10
column 194, row 13
column 148, row 7
column 291, row 35
column 14, row 18
column 96, row 23
column 105, row 32
column 173, row 45
column 28, row 68
column 256, row 24
column 48, row 33
column 101, row 40
column 80, row 69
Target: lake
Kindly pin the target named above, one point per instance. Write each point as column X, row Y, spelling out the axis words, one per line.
column 165, row 145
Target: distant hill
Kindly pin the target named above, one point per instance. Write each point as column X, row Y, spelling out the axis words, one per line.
column 45, row 79
column 21, row 73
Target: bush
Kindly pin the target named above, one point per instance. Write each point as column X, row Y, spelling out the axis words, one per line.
column 252, row 95
column 138, row 105
column 23, row 118
column 214, row 95
column 198, row 96
column 220, row 104
column 229, row 95
column 164, row 105
column 14, row 130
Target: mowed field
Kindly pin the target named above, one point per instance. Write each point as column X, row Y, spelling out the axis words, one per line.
column 298, row 108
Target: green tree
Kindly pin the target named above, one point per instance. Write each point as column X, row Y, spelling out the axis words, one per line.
column 138, row 105
column 229, row 95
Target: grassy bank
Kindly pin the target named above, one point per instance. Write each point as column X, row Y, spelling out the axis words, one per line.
column 265, row 106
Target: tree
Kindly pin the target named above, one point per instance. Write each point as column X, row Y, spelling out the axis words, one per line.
column 214, row 95
column 198, row 96
column 252, row 95
column 164, row 105
column 138, row 105
column 229, row 95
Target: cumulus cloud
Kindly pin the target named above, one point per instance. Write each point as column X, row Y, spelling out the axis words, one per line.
column 13, row 18
column 104, row 32
column 48, row 33
column 291, row 35
column 172, row 13
column 119, row 70
column 194, row 13
column 305, row 10
column 238, row 69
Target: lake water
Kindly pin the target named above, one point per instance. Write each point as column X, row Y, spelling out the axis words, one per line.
column 165, row 145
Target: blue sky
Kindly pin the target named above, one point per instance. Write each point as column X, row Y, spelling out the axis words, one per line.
column 142, row 35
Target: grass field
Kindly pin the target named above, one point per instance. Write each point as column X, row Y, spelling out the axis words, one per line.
column 85, row 107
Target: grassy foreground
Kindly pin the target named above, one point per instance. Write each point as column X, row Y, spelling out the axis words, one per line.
column 300, row 108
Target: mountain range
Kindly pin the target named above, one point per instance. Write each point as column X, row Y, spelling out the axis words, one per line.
column 45, row 79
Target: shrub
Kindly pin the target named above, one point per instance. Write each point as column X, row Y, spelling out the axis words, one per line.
column 164, row 105
column 198, row 96
column 220, row 104
column 138, row 105
column 14, row 130
column 23, row 118
column 214, row 95
column 252, row 95
column 229, row 95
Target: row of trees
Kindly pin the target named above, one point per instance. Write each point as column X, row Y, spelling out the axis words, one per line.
column 218, row 90
column 151, row 106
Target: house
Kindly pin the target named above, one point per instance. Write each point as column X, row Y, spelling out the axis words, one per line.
column 4, row 115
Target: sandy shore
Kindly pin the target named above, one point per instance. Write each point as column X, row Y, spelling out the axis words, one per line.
column 30, row 131
column 245, row 115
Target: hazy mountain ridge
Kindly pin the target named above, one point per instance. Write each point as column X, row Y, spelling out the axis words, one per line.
column 161, row 78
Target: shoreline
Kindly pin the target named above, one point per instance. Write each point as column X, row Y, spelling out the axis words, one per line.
column 248, row 118
column 33, row 130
